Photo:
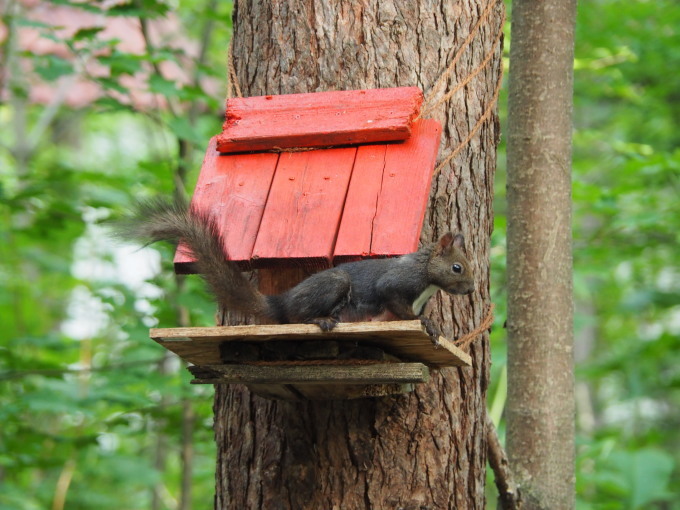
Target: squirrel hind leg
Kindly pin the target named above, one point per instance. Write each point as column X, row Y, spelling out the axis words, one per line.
column 319, row 299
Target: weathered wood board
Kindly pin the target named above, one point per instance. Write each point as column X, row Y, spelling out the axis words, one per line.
column 381, row 373
column 406, row 340
column 319, row 119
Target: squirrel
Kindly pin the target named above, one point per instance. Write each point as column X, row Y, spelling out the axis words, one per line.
column 396, row 287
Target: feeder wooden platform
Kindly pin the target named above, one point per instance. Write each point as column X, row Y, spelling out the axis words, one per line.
column 380, row 358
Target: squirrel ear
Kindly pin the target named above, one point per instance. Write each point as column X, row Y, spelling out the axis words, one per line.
column 445, row 242
column 459, row 241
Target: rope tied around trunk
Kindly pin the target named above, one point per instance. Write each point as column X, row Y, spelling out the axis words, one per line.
column 465, row 341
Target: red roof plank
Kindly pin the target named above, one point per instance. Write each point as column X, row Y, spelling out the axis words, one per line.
column 356, row 226
column 388, row 196
column 304, row 208
column 405, row 191
column 233, row 189
column 319, row 119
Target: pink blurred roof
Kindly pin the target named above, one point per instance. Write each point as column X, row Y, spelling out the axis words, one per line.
column 77, row 90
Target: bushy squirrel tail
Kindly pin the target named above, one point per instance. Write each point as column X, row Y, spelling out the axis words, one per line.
column 164, row 220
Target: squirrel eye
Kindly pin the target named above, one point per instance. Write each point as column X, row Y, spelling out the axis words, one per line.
column 457, row 268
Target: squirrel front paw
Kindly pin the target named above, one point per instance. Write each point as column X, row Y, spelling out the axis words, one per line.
column 325, row 323
column 432, row 330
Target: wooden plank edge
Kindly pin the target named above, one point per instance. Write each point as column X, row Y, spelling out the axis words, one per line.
column 272, row 330
column 382, row 373
column 464, row 357
column 338, row 138
column 337, row 99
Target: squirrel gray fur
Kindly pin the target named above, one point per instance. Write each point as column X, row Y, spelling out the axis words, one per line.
column 362, row 290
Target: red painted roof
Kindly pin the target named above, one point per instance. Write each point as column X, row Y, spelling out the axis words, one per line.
column 324, row 206
column 319, row 119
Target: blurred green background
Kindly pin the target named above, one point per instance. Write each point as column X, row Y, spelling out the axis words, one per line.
column 94, row 415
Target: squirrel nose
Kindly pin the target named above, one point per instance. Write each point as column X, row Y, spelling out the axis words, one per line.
column 462, row 288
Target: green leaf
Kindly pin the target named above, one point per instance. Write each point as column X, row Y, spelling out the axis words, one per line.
column 82, row 6
column 110, row 105
column 112, row 84
column 52, row 67
column 645, row 475
column 29, row 23
column 144, row 8
column 121, row 63
column 181, row 127
column 88, row 33
column 162, row 86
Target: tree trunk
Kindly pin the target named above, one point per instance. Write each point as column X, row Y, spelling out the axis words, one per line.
column 540, row 412
column 421, row 450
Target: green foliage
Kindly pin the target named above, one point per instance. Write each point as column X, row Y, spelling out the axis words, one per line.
column 626, row 183
column 616, row 478
column 627, row 224
column 87, row 401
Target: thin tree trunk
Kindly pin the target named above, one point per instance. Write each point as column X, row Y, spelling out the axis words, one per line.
column 425, row 449
column 187, row 454
column 509, row 497
column 160, row 452
column 540, row 412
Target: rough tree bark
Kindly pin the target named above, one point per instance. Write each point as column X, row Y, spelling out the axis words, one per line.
column 540, row 412
column 425, row 449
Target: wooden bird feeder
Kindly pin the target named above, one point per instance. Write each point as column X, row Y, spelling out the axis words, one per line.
column 314, row 180
column 295, row 361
